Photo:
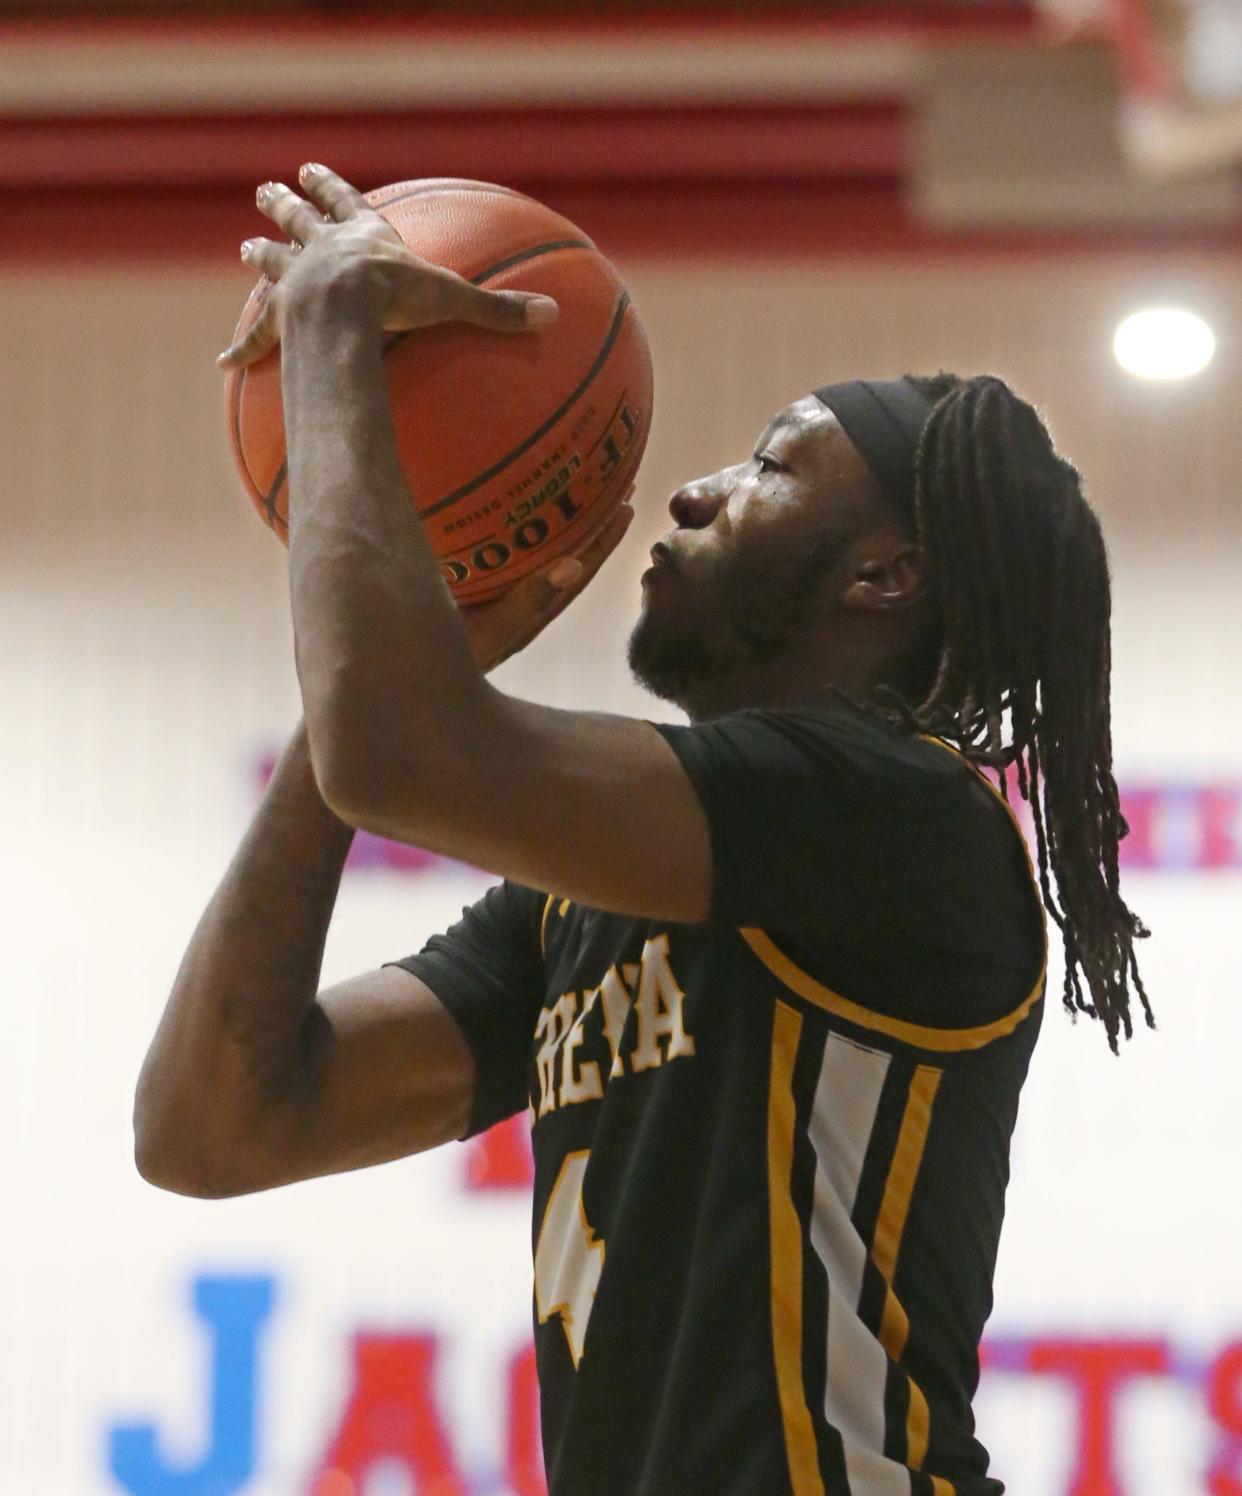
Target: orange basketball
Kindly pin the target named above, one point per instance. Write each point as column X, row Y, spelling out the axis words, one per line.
column 516, row 446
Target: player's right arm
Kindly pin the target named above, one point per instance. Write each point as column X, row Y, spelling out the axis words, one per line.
column 255, row 1079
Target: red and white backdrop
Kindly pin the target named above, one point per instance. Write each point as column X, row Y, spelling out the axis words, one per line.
column 790, row 204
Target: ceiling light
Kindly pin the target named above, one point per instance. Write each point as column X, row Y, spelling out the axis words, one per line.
column 1164, row 343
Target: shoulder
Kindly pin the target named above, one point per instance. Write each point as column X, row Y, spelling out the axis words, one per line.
column 925, row 805
column 834, row 734
column 831, row 755
column 908, row 762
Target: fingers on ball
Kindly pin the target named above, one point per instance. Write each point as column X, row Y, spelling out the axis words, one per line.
column 266, row 255
column 292, row 213
column 331, row 193
column 504, row 311
column 257, row 342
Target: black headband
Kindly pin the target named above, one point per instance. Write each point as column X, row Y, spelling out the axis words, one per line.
column 884, row 420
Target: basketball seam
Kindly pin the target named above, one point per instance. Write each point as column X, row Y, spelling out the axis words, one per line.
column 600, row 359
column 607, row 426
column 455, row 184
column 529, row 254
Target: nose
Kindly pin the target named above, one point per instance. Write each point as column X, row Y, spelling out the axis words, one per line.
column 694, row 506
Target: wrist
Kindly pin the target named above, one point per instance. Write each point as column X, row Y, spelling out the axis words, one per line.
column 341, row 308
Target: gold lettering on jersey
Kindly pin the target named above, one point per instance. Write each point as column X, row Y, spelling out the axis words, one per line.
column 648, row 989
column 659, row 1005
column 569, row 1257
column 579, row 1082
column 552, row 1027
column 615, row 1000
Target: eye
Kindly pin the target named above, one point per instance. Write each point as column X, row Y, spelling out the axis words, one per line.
column 769, row 464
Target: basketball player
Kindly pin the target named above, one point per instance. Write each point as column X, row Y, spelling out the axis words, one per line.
column 769, row 981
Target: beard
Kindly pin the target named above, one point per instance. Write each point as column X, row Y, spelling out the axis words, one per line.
column 752, row 612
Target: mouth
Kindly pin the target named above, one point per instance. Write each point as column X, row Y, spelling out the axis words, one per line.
column 661, row 560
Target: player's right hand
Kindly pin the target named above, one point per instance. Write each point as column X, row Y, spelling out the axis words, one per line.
column 344, row 255
column 500, row 628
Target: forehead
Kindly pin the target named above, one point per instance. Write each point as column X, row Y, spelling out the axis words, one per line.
column 805, row 417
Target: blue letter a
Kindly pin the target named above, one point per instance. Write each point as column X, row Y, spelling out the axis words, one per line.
column 234, row 1309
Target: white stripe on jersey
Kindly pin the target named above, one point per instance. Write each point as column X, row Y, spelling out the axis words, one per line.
column 847, row 1096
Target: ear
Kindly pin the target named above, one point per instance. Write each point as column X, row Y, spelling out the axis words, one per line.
column 888, row 573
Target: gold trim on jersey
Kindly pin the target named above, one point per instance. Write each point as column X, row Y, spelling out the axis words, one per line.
column 543, row 924
column 885, row 1248
column 786, row 1259
column 916, row 1034
column 907, row 1156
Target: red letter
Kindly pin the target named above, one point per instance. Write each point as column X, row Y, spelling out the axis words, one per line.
column 524, row 1470
column 1097, row 1369
column 1222, row 819
column 1224, row 1396
column 500, row 1158
column 1140, row 806
column 392, row 1415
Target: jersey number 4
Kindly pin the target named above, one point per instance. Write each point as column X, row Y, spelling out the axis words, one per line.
column 569, row 1256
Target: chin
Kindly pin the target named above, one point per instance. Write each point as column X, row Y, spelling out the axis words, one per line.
column 669, row 663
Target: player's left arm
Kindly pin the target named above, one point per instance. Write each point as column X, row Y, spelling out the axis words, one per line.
column 407, row 737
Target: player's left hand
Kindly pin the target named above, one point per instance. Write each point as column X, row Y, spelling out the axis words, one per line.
column 342, row 250
column 499, row 629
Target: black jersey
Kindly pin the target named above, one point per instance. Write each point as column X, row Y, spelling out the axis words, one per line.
column 771, row 1150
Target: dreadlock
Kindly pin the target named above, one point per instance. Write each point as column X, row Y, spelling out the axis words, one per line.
column 1021, row 679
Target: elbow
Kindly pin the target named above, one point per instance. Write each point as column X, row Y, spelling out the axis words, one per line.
column 349, row 773
column 387, row 780
column 351, row 797
column 169, row 1171
column 170, row 1156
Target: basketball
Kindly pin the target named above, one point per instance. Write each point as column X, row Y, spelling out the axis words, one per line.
column 516, row 447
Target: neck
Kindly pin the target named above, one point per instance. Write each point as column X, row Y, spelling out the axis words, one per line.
column 788, row 681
